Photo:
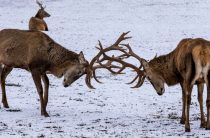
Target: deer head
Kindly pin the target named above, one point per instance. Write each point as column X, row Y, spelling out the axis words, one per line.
column 75, row 71
column 143, row 71
column 42, row 13
column 154, row 77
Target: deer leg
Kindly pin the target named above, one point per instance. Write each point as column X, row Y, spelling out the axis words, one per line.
column 200, row 100
column 182, row 121
column 37, row 80
column 4, row 72
column 188, row 91
column 208, row 107
column 46, row 89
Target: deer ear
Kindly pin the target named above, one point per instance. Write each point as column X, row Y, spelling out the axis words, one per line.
column 145, row 64
column 81, row 58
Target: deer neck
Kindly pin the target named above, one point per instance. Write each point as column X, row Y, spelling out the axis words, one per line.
column 56, row 71
column 164, row 65
column 60, row 58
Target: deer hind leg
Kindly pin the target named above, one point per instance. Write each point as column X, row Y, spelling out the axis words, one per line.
column 200, row 100
column 198, row 73
column 188, row 91
column 208, row 107
column 46, row 89
column 37, row 80
column 4, row 72
column 182, row 121
column 208, row 104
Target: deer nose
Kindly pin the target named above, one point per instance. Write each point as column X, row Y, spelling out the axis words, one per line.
column 65, row 85
column 162, row 90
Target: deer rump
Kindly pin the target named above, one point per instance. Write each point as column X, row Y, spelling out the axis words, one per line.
column 192, row 59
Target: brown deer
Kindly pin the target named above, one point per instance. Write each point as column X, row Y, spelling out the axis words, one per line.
column 37, row 22
column 187, row 64
column 37, row 53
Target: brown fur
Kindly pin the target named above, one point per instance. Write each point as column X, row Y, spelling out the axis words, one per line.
column 36, row 52
column 179, row 67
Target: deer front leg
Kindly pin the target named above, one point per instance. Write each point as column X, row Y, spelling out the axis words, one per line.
column 200, row 100
column 4, row 72
column 46, row 89
column 37, row 80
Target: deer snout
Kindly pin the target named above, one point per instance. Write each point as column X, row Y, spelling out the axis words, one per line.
column 65, row 83
column 162, row 90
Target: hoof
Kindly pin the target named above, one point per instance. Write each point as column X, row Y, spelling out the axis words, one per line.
column 182, row 121
column 208, row 127
column 187, row 129
column 6, row 105
column 45, row 114
column 203, row 125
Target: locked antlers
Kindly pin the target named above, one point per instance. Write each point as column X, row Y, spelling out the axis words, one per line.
column 102, row 56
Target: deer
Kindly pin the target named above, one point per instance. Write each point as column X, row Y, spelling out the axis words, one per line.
column 188, row 64
column 40, row 55
column 37, row 22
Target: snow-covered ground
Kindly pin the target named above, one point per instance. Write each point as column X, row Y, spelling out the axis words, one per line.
column 113, row 109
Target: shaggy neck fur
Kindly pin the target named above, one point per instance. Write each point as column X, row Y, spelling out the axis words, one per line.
column 164, row 66
column 60, row 55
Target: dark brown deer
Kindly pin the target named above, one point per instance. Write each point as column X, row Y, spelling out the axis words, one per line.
column 37, row 22
column 187, row 65
column 37, row 53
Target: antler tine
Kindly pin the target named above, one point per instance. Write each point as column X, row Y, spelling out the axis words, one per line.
column 135, row 77
column 40, row 4
column 140, row 82
column 121, row 38
column 131, row 53
column 133, row 80
column 88, row 76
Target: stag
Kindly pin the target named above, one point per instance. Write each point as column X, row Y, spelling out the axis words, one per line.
column 37, row 22
column 37, row 53
column 187, row 64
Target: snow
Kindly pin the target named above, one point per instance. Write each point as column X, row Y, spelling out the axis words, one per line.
column 113, row 109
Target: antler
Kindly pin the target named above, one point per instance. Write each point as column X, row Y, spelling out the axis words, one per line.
column 127, row 52
column 40, row 4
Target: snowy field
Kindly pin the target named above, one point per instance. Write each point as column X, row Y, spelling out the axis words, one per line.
column 113, row 109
